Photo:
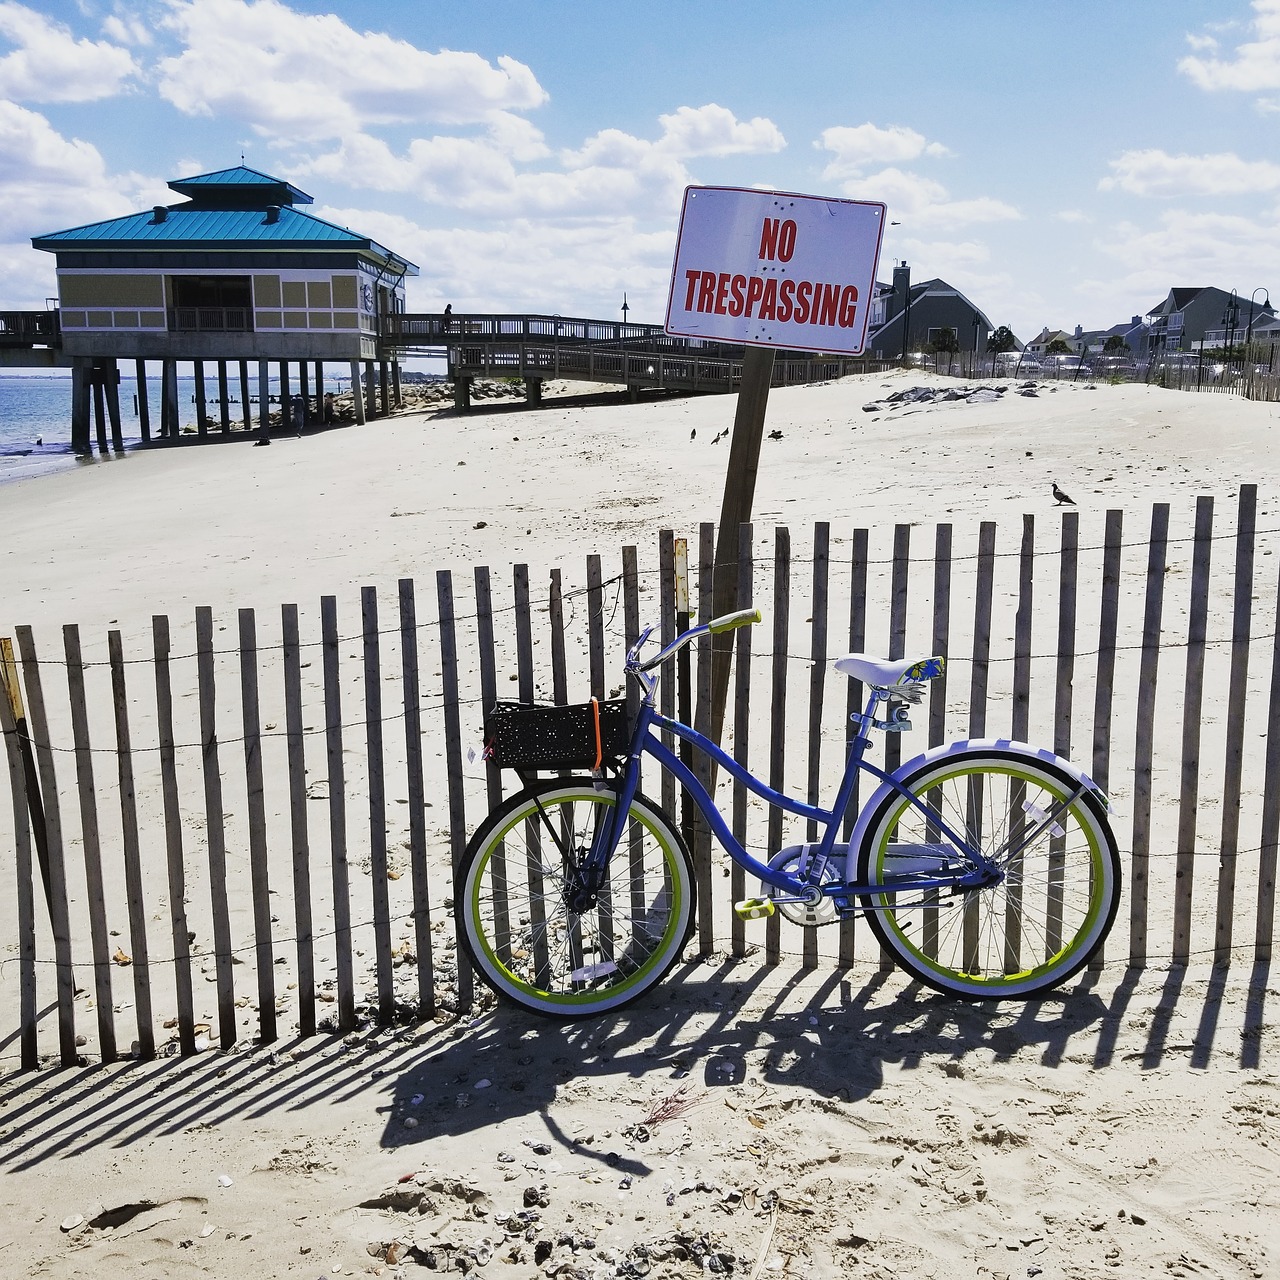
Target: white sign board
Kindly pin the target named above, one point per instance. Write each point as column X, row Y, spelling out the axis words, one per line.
column 775, row 269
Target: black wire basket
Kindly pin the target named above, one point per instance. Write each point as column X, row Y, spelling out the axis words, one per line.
column 581, row 735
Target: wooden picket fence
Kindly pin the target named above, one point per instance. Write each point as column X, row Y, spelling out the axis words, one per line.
column 217, row 842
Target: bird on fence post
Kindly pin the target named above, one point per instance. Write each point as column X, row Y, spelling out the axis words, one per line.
column 1062, row 499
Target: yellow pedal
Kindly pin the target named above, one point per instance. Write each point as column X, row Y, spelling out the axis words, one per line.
column 753, row 908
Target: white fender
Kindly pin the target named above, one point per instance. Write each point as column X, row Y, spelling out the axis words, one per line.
column 884, row 790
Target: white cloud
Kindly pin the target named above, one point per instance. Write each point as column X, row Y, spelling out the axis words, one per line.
column 126, row 28
column 1255, row 65
column 1187, row 249
column 305, row 77
column 521, row 265
column 51, row 182
column 925, row 203
column 1156, row 173
column 48, row 64
column 857, row 146
column 713, row 130
column 612, row 174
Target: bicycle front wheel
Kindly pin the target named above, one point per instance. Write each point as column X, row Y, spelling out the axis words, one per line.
column 514, row 919
column 1059, row 865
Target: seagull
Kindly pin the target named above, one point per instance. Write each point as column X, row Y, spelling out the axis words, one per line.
column 720, row 436
column 1062, row 499
column 693, row 433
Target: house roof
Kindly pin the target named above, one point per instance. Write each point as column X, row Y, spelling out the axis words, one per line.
column 933, row 288
column 231, row 209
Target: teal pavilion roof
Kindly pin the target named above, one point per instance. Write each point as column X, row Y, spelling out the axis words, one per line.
column 231, row 209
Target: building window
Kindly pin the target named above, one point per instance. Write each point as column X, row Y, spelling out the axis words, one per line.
column 210, row 304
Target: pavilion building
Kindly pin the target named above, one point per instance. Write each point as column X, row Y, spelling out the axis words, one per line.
column 238, row 273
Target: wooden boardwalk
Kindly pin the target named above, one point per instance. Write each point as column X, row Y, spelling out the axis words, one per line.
column 638, row 356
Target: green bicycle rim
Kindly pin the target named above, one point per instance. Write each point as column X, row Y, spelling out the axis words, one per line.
column 1075, row 949
column 570, row 1000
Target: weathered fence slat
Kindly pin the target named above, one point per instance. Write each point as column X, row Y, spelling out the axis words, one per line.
column 979, row 679
column 264, row 954
column 1104, row 686
column 173, row 837
column 417, row 796
column 24, row 888
column 1264, row 924
column 215, row 830
column 453, row 743
column 778, row 713
column 667, row 633
column 94, row 885
column 741, row 734
column 702, row 762
column 1063, row 702
column 595, row 625
column 133, row 880
column 493, row 774
column 631, row 633
column 377, row 805
column 940, row 639
column 1192, row 700
column 339, row 868
column 59, row 914
column 300, row 839
column 817, row 688
column 1238, row 688
column 1144, row 734
column 853, row 700
column 898, row 584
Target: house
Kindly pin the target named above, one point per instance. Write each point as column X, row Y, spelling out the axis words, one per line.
column 912, row 317
column 1038, row 345
column 1185, row 320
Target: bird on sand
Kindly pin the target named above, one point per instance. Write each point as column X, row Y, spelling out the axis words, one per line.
column 775, row 435
column 1062, row 499
column 693, row 433
column 720, row 435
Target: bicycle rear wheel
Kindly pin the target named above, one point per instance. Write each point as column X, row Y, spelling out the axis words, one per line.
column 1048, row 914
column 516, row 925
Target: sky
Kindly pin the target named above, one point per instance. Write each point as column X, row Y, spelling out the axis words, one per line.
column 1059, row 164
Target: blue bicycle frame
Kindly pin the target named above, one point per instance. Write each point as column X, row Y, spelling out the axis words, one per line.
column 647, row 742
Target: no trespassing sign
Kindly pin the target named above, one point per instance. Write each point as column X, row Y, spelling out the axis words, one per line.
column 775, row 269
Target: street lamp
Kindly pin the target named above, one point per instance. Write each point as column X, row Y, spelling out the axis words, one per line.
column 625, row 308
column 1266, row 302
column 1230, row 319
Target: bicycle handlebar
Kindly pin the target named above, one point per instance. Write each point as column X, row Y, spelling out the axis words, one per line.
column 727, row 622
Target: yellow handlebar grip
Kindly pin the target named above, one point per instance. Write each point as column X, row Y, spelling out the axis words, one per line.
column 743, row 618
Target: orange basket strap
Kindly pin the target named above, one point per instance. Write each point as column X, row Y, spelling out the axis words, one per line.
column 595, row 712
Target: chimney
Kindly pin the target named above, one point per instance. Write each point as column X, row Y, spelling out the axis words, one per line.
column 273, row 214
column 1079, row 331
column 160, row 212
column 1137, row 320
column 901, row 286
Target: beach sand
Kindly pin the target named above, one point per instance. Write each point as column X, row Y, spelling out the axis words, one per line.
column 826, row 1122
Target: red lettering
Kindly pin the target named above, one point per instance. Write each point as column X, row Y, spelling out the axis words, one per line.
column 737, row 286
column 722, row 287
column 769, row 238
column 787, row 241
column 769, row 300
column 707, row 291
column 692, row 277
column 848, row 306
column 804, row 291
column 786, row 294
column 755, row 289
column 829, row 296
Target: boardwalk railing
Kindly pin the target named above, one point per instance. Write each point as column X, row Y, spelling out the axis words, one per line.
column 239, row 826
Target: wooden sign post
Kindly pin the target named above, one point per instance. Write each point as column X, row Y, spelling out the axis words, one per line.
column 770, row 270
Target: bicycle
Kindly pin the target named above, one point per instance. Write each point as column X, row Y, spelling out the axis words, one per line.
column 986, row 868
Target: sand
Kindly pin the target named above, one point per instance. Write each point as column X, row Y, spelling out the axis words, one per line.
column 826, row 1123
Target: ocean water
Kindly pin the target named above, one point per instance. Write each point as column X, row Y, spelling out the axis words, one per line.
column 35, row 417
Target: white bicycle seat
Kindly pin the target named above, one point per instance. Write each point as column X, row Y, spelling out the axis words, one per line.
column 882, row 673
